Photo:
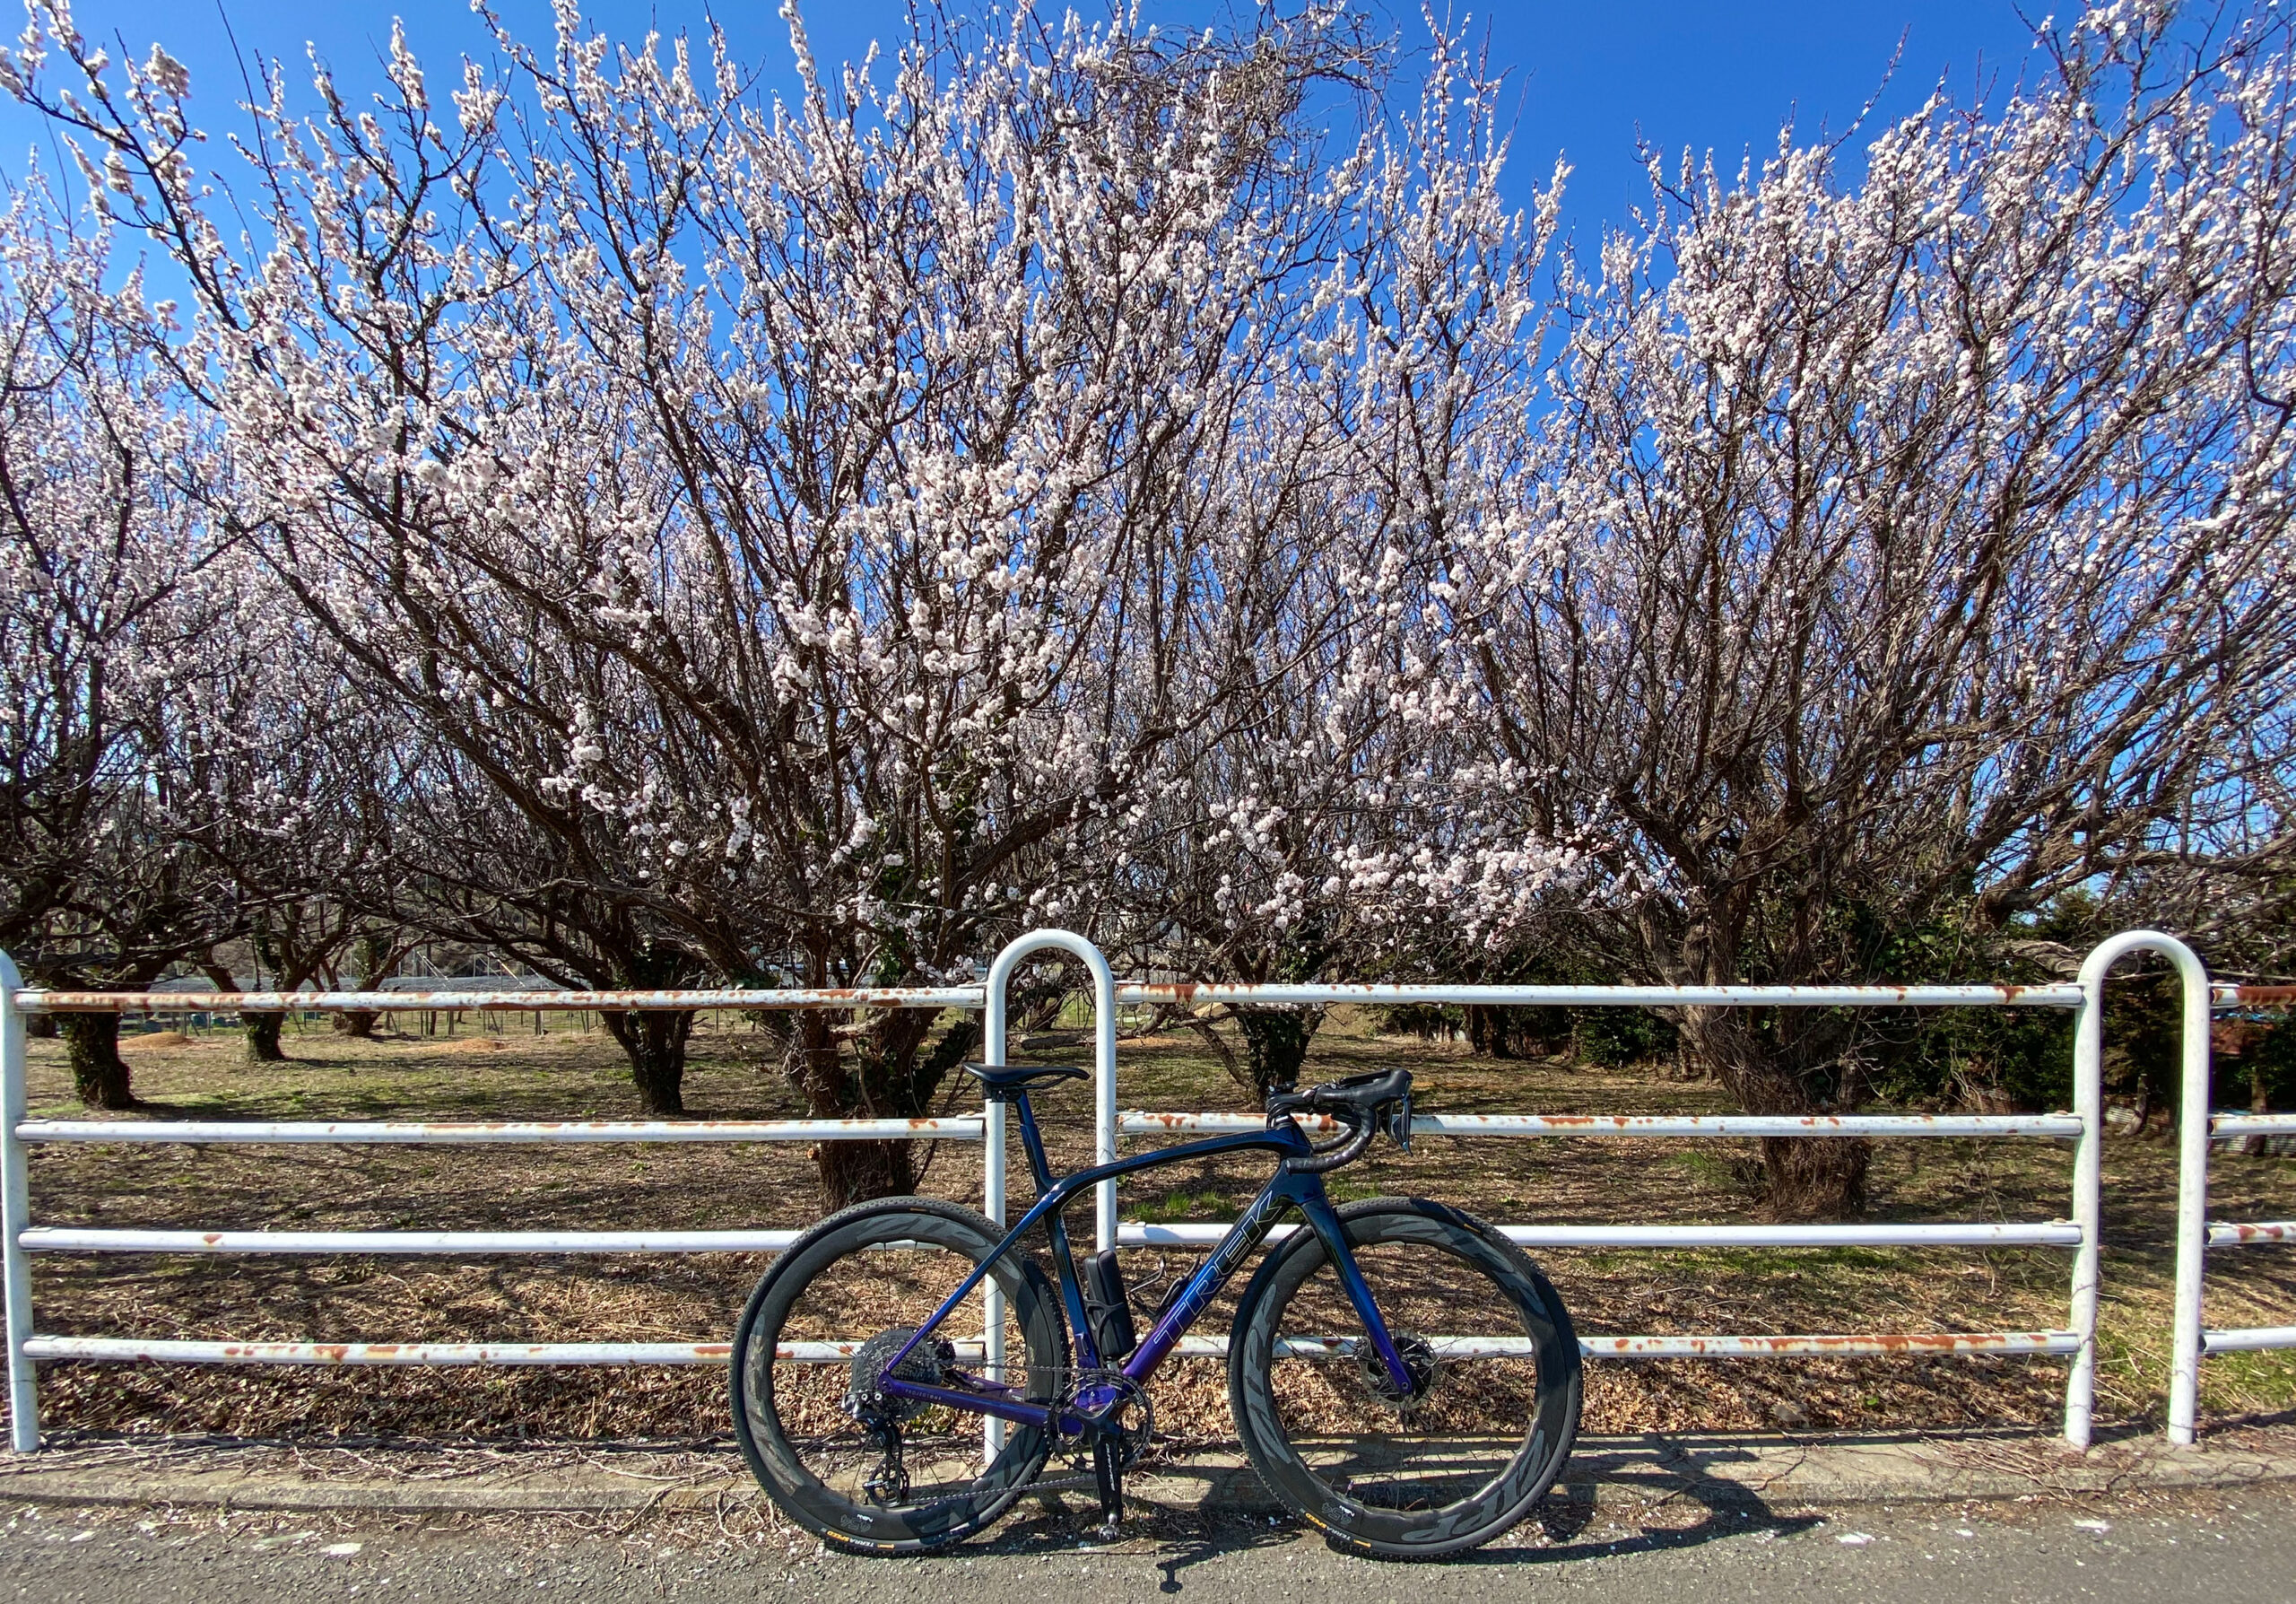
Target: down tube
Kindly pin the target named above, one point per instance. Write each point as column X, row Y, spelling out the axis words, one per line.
column 1243, row 1238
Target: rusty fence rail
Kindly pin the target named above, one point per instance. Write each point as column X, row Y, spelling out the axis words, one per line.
column 2078, row 1233
column 22, row 1238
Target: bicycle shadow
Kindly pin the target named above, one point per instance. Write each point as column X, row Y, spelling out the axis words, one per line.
column 1176, row 1540
column 1728, row 1513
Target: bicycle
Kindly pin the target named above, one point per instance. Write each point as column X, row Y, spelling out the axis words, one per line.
column 1403, row 1378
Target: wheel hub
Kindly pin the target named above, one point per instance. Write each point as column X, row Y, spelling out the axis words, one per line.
column 1418, row 1355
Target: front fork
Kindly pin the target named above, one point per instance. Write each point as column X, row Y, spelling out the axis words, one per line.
column 1324, row 1221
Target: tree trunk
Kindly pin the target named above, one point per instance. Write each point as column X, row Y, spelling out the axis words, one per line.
column 1275, row 1045
column 1487, row 1031
column 859, row 1172
column 262, row 1037
column 885, row 1081
column 98, row 1073
column 654, row 1039
column 1220, row 1050
column 360, row 1022
column 1805, row 1177
column 2260, row 1100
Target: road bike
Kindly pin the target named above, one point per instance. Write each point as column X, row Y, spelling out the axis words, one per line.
column 1402, row 1377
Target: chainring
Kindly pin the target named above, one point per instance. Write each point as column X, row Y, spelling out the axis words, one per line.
column 1131, row 1400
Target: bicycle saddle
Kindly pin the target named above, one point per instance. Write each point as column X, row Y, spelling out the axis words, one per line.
column 1000, row 1081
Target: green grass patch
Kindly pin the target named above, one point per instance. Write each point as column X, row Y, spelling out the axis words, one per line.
column 1181, row 1203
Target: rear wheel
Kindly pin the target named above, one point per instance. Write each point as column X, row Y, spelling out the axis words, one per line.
column 1463, row 1452
column 866, row 1473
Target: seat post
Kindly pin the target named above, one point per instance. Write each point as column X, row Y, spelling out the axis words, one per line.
column 1031, row 1141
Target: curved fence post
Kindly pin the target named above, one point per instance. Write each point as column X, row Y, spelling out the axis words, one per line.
column 993, row 1166
column 1000, row 974
column 2192, row 1148
column 15, row 1215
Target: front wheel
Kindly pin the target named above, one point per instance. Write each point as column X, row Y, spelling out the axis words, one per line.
column 1468, row 1448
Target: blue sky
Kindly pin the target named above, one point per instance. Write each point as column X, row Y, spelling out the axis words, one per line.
column 1583, row 78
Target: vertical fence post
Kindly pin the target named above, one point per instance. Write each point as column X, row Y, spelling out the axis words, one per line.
column 1104, row 1093
column 2192, row 1148
column 15, row 1215
column 992, row 1201
column 2088, row 1207
column 2192, row 1201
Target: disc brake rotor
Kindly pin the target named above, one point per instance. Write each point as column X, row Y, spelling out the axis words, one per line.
column 1418, row 1355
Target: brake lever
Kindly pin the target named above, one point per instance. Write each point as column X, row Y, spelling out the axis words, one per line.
column 1398, row 1122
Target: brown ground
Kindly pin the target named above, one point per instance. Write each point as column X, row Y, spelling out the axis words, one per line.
column 566, row 1074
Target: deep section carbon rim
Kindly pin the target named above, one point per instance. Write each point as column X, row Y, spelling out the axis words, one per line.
column 1463, row 1452
column 862, row 1471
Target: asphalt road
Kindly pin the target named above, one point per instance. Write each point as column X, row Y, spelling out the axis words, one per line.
column 2221, row 1548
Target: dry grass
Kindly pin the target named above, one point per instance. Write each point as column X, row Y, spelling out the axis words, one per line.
column 645, row 1297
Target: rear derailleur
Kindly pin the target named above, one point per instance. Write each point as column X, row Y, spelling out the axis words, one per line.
column 888, row 1484
column 882, row 1417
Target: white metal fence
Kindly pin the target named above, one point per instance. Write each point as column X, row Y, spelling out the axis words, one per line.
column 2077, row 1232
column 22, row 1238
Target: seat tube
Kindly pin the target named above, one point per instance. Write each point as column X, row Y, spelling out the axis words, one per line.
column 1032, row 1144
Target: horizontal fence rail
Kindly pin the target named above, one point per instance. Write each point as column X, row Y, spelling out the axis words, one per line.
column 479, row 1132
column 67, row 1239
column 2081, row 1127
column 1979, row 1234
column 28, row 1001
column 1136, row 1122
column 1184, row 992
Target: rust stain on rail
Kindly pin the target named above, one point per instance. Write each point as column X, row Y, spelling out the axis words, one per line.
column 2262, row 994
column 1182, row 1121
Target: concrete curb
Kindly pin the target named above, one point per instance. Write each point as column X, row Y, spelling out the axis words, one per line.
column 1718, row 1470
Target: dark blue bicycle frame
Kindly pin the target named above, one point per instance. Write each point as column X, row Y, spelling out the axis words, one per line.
column 1288, row 1189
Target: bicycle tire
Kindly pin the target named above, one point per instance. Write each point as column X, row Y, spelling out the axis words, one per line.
column 777, row 1448
column 1348, row 1485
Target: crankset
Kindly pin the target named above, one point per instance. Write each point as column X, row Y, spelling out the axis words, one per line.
column 1119, row 1424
